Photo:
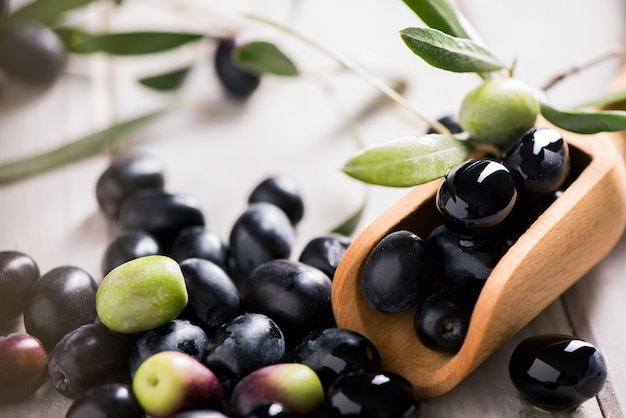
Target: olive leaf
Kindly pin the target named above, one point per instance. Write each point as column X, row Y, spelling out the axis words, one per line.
column 439, row 14
column 124, row 43
column 170, row 80
column 44, row 11
column 263, row 57
column 407, row 161
column 585, row 122
column 450, row 53
column 76, row 150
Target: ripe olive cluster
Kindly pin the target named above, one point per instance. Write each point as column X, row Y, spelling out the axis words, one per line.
column 256, row 331
column 485, row 204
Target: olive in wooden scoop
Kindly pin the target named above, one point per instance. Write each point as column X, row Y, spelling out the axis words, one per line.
column 571, row 236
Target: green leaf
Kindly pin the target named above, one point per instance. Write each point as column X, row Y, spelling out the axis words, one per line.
column 438, row 14
column 74, row 151
column 125, row 43
column 408, row 161
column 44, row 11
column 450, row 53
column 75, row 40
column 349, row 225
column 170, row 80
column 262, row 57
column 585, row 122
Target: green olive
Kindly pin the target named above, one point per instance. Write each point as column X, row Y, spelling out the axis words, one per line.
column 141, row 294
column 498, row 111
column 32, row 53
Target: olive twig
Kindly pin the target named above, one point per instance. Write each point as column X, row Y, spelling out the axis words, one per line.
column 611, row 53
column 350, row 65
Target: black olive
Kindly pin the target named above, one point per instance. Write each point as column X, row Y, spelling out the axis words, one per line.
column 237, row 82
column 18, row 278
column 127, row 246
column 557, row 372
column 107, row 400
column 325, row 252
column 32, row 53
column 284, row 193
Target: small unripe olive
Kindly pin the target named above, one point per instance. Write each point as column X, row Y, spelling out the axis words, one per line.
column 498, row 111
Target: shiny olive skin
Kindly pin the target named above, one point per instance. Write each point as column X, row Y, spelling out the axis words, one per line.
column 396, row 275
column 335, row 351
column 242, row 345
column 476, row 196
column 23, row 366
column 303, row 292
column 64, row 299
column 32, row 53
column 283, row 192
column 540, row 161
column 200, row 413
column 373, row 394
column 465, row 261
column 161, row 214
column 125, row 176
column 237, row 82
column 325, row 252
column 261, row 233
column 18, row 278
column 557, row 372
column 176, row 335
column 268, row 410
column 111, row 400
column 442, row 320
column 89, row 356
column 213, row 297
column 199, row 242
column 128, row 245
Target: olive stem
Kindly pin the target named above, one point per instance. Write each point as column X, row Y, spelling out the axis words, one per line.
column 81, row 148
column 611, row 53
column 350, row 65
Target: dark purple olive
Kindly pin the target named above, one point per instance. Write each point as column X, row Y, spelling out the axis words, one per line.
column 64, row 299
column 295, row 295
column 32, row 53
column 112, row 400
column 333, row 351
column 237, row 81
column 200, row 413
column 374, row 394
column 244, row 344
column 325, row 252
column 23, row 366
column 395, row 274
column 213, row 297
column 128, row 245
column 557, row 372
column 283, row 192
column 89, row 356
column 465, row 261
column 262, row 233
column 476, row 196
column 540, row 161
column 199, row 242
column 177, row 335
column 450, row 122
column 18, row 278
column 125, row 176
column 442, row 320
column 161, row 214
column 268, row 410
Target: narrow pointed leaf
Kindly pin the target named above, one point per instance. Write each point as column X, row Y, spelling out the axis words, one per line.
column 585, row 122
column 449, row 52
column 74, row 151
column 407, row 161
column 170, row 80
column 439, row 14
column 126, row 43
column 44, row 11
column 350, row 224
column 262, row 57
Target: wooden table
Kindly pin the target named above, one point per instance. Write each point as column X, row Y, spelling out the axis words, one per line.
column 217, row 149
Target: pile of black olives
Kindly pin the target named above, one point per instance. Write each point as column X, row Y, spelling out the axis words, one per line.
column 485, row 204
column 249, row 307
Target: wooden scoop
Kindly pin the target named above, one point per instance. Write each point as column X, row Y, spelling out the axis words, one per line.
column 566, row 241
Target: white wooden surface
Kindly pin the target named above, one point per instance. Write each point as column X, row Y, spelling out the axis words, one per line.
column 217, row 149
